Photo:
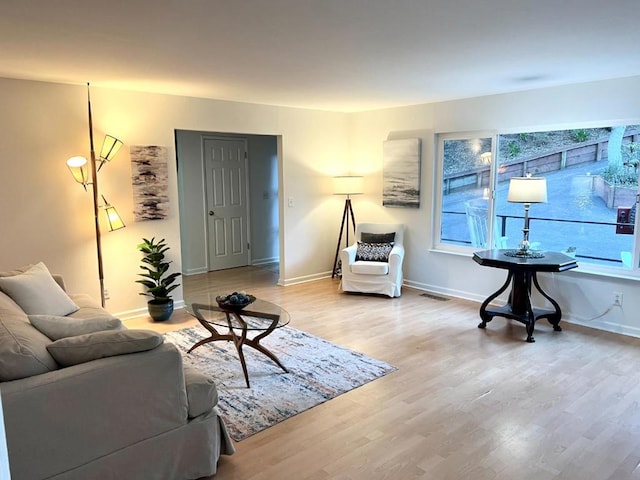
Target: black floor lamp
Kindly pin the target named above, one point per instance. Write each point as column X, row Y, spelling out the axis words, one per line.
column 346, row 185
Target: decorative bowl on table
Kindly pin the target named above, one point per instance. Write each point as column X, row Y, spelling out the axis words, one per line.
column 234, row 301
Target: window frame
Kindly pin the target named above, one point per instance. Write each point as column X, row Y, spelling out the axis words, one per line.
column 442, row 247
column 440, row 138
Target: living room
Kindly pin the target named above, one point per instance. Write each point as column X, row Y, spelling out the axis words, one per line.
column 48, row 124
column 48, row 218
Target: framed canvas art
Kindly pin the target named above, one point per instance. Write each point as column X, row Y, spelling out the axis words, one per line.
column 401, row 173
column 150, row 182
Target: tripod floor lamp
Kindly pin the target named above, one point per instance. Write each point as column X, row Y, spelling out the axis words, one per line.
column 347, row 185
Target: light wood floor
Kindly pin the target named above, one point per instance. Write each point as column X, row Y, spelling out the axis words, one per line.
column 464, row 404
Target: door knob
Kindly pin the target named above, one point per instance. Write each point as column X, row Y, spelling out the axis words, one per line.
column 211, row 213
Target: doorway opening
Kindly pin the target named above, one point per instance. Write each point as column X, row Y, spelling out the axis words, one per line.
column 228, row 188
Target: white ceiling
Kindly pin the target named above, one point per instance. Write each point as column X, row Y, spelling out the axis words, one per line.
column 343, row 55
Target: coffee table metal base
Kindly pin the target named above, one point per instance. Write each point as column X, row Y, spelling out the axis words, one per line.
column 238, row 340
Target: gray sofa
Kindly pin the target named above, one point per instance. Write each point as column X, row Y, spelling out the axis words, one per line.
column 129, row 410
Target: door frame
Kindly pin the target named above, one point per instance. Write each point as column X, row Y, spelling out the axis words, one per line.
column 191, row 191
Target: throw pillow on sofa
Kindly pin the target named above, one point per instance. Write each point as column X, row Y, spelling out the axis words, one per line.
column 92, row 346
column 56, row 327
column 37, row 292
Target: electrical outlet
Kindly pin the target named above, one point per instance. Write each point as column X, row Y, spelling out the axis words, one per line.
column 106, row 294
column 617, row 298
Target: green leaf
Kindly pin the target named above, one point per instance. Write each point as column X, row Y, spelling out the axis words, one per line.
column 155, row 269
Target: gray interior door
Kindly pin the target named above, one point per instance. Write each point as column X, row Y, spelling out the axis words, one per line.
column 227, row 210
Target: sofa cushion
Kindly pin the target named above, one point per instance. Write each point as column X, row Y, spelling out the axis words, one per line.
column 23, row 349
column 370, row 268
column 56, row 327
column 89, row 307
column 377, row 237
column 85, row 348
column 202, row 394
column 37, row 292
column 373, row 252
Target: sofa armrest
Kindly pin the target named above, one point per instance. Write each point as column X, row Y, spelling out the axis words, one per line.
column 201, row 391
column 397, row 254
column 396, row 257
column 73, row 415
column 348, row 255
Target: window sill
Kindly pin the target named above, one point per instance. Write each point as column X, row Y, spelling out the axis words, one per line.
column 594, row 270
column 583, row 268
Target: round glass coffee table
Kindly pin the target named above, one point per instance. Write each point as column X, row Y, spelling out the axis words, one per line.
column 259, row 319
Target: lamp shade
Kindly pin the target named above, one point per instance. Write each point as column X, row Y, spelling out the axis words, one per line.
column 348, row 185
column 527, row 190
column 113, row 219
column 110, row 147
column 79, row 168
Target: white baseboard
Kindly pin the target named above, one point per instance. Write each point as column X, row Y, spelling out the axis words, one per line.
column 254, row 263
column 304, row 279
column 264, row 261
column 566, row 317
column 142, row 312
column 195, row 271
column 603, row 325
column 443, row 291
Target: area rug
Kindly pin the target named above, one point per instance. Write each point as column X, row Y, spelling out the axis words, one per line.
column 318, row 371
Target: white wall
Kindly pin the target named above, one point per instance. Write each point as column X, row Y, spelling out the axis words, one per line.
column 46, row 216
column 582, row 296
column 264, row 196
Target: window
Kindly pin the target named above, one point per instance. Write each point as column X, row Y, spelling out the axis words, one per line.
column 466, row 186
column 592, row 185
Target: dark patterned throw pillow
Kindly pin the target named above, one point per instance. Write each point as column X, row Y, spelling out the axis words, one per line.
column 374, row 252
column 378, row 237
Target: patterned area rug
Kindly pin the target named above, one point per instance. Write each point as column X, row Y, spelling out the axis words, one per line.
column 318, row 371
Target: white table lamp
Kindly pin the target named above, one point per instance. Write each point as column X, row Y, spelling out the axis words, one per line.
column 527, row 190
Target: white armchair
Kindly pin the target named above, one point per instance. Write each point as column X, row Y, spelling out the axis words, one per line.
column 373, row 276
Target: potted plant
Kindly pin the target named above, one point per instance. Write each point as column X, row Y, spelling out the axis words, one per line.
column 159, row 283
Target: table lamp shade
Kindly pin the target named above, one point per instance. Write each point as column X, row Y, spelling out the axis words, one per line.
column 348, row 185
column 527, row 190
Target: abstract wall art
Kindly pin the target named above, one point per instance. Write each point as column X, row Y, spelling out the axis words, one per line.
column 150, row 182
